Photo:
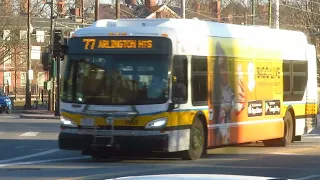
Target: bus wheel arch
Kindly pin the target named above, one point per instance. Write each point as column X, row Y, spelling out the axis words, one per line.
column 290, row 109
column 203, row 119
column 289, row 131
column 199, row 126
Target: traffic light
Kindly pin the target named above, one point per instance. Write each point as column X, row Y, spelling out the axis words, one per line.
column 58, row 41
column 46, row 61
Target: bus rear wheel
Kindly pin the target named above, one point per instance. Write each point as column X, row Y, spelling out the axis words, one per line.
column 288, row 133
column 197, row 141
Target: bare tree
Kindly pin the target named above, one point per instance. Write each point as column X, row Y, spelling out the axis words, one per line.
column 13, row 37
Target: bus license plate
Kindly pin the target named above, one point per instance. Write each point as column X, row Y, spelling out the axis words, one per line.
column 87, row 122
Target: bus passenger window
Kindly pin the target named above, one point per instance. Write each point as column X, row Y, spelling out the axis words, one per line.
column 286, row 76
column 300, row 75
column 199, row 78
column 180, row 72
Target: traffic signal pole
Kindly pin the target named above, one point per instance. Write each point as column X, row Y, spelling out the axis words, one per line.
column 57, row 108
column 51, row 92
column 58, row 40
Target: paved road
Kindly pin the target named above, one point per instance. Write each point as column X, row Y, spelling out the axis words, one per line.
column 29, row 151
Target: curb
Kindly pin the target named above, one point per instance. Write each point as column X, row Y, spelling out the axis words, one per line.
column 29, row 112
column 27, row 116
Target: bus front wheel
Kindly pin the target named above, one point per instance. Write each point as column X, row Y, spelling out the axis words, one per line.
column 197, row 141
column 288, row 133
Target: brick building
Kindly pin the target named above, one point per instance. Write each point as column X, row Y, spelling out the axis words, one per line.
column 13, row 48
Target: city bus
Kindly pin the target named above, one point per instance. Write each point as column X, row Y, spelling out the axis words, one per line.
column 183, row 86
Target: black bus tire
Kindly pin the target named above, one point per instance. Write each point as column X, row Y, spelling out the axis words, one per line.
column 288, row 133
column 197, row 141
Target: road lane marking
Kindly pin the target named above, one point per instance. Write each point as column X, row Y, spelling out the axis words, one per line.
column 100, row 176
column 289, row 151
column 312, row 137
column 242, row 167
column 41, row 149
column 29, row 156
column 44, row 161
column 284, row 153
column 21, row 147
column 309, row 177
column 28, row 134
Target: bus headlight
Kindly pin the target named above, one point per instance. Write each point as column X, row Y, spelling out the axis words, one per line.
column 157, row 123
column 67, row 122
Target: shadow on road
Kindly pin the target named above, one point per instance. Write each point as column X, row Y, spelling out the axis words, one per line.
column 283, row 166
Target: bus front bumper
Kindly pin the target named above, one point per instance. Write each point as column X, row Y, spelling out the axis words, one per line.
column 79, row 142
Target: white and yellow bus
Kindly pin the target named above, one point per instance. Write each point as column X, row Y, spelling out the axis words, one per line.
column 184, row 85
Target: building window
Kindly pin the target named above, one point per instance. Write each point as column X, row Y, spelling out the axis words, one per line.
column 40, row 36
column 22, row 57
column 23, row 78
column 7, row 78
column 41, row 78
column 6, row 35
column 7, row 57
column 23, row 35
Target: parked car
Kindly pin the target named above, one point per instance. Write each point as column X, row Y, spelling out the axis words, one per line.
column 5, row 103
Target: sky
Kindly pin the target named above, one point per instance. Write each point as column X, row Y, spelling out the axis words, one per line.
column 105, row 1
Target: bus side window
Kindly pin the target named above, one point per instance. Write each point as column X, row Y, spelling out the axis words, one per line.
column 295, row 78
column 199, row 78
column 180, row 85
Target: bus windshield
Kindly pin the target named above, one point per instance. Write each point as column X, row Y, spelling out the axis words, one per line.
column 116, row 79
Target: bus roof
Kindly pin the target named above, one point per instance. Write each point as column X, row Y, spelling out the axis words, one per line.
column 196, row 27
column 291, row 44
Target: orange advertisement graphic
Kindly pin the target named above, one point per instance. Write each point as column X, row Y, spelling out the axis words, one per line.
column 228, row 97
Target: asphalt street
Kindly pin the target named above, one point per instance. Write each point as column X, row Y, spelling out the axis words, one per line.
column 29, row 151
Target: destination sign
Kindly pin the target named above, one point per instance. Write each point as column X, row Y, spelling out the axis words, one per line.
column 91, row 43
column 120, row 45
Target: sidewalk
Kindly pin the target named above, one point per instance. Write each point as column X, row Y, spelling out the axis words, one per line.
column 39, row 116
column 36, row 114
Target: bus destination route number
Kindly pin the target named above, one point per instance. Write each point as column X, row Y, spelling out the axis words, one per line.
column 116, row 44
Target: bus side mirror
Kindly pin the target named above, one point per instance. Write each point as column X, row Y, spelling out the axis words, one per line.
column 172, row 106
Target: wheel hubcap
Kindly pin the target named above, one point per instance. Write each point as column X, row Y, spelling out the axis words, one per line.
column 197, row 139
column 286, row 128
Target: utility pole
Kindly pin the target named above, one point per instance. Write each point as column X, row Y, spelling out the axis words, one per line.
column 52, row 91
column 277, row 16
column 117, row 9
column 183, row 9
column 96, row 10
column 269, row 13
column 4, row 78
column 28, row 88
column 245, row 18
column 82, row 13
column 253, row 11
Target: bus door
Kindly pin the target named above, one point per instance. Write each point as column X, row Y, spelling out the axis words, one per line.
column 180, row 89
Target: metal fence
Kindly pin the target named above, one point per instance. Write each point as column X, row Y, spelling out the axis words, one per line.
column 36, row 92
